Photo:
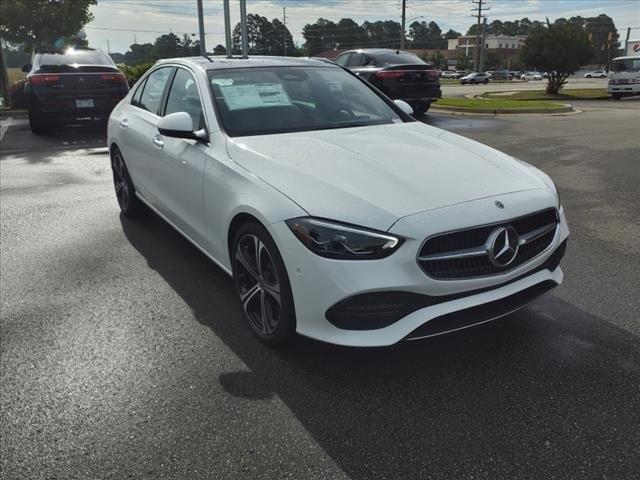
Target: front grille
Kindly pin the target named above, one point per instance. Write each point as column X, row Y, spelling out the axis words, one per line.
column 465, row 254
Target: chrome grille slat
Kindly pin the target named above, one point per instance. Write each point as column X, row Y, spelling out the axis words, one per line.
column 464, row 253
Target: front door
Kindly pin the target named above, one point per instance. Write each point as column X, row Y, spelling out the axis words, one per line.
column 177, row 170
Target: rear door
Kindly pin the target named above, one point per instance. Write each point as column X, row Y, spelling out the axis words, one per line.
column 138, row 127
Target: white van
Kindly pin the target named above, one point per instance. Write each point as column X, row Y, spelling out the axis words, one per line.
column 624, row 77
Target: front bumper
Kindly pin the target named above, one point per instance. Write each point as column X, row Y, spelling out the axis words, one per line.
column 318, row 283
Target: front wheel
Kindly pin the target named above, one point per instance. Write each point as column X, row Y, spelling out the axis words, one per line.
column 263, row 285
column 485, row 82
column 616, row 96
column 588, row 76
column 129, row 203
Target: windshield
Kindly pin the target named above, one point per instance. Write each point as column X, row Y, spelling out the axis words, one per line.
column 626, row 65
column 73, row 60
column 268, row 100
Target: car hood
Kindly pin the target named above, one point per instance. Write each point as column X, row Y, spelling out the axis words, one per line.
column 372, row 176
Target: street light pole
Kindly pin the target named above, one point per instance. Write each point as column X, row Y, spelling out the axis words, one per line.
column 203, row 48
column 404, row 17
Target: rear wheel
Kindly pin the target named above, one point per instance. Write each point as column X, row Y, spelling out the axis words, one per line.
column 37, row 122
column 486, row 81
column 616, row 96
column 129, row 203
column 263, row 285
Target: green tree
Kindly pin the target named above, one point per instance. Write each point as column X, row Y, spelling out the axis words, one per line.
column 140, row 53
column 463, row 62
column 558, row 49
column 320, row 36
column 350, row 35
column 219, row 50
column 167, row 46
column 438, row 60
column 383, row 33
column 43, row 24
column 426, row 35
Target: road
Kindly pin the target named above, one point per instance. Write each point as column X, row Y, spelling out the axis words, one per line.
column 124, row 354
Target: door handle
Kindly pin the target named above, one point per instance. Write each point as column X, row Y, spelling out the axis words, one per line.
column 157, row 141
column 124, row 123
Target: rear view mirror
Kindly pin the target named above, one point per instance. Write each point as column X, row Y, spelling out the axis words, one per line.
column 404, row 106
column 26, row 68
column 180, row 125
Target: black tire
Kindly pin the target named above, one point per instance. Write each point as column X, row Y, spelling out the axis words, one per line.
column 486, row 81
column 616, row 96
column 37, row 122
column 130, row 204
column 265, row 294
column 421, row 108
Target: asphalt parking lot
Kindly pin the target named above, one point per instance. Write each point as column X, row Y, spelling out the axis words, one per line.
column 124, row 354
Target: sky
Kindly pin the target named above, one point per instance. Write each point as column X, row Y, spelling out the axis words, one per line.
column 118, row 23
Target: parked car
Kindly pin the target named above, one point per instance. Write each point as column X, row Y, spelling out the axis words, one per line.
column 400, row 75
column 337, row 215
column 76, row 84
column 531, row 76
column 450, row 74
column 500, row 75
column 596, row 74
column 474, row 78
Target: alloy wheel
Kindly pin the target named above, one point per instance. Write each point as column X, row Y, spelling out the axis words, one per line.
column 258, row 285
column 120, row 181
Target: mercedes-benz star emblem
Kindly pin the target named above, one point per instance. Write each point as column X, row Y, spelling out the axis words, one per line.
column 503, row 246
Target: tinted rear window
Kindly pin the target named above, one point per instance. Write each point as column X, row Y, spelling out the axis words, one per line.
column 398, row 59
column 80, row 57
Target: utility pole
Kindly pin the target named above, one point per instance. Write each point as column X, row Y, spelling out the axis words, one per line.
column 483, row 53
column 108, row 47
column 243, row 28
column 227, row 28
column 284, row 31
column 404, row 18
column 479, row 16
column 203, row 48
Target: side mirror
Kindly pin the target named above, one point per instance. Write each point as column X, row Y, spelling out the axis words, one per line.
column 180, row 125
column 26, row 68
column 404, row 106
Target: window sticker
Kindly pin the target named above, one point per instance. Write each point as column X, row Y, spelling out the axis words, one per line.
column 239, row 97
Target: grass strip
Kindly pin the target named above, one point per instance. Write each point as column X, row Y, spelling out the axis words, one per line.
column 480, row 103
column 567, row 94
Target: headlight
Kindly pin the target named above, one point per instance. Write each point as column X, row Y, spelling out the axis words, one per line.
column 344, row 242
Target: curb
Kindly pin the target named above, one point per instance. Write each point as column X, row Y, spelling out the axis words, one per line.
column 566, row 108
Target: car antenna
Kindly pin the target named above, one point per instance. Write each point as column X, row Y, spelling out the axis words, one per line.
column 208, row 58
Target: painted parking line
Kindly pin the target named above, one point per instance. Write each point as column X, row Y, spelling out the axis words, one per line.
column 4, row 126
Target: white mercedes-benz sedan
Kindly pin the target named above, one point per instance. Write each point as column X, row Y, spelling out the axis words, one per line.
column 338, row 215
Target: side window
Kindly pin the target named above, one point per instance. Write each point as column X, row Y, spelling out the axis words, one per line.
column 342, row 60
column 153, row 89
column 183, row 97
column 368, row 61
column 135, row 100
column 356, row 60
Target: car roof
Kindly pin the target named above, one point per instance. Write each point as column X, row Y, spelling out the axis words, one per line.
column 377, row 51
column 214, row 62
